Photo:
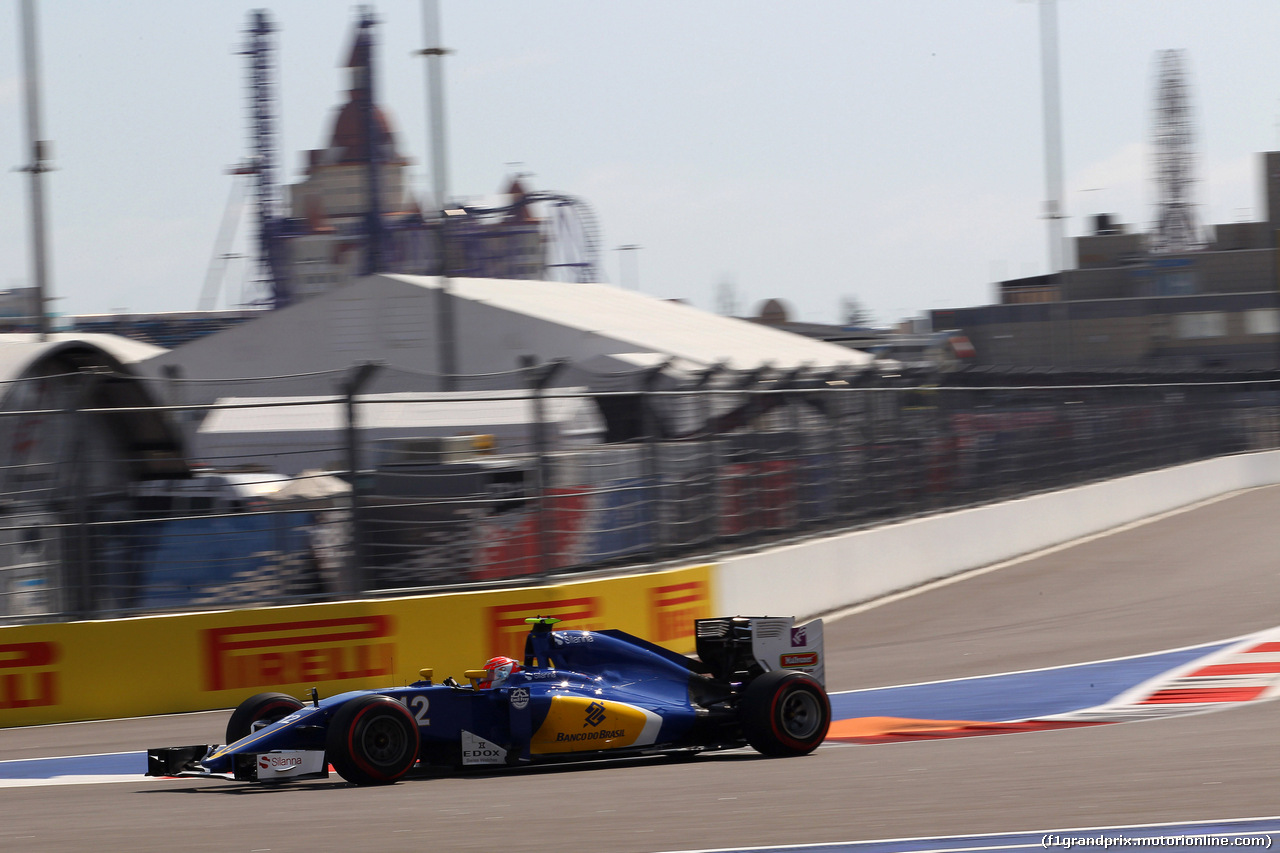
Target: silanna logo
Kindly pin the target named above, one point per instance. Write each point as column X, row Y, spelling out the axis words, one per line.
column 278, row 653
column 800, row 637
column 595, row 715
column 267, row 761
column 507, row 628
column 675, row 607
column 27, row 679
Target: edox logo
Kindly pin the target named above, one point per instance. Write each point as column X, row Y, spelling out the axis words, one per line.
column 595, row 714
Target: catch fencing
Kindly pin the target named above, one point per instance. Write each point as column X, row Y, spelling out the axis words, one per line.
column 353, row 486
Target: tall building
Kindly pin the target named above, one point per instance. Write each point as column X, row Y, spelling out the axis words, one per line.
column 354, row 199
column 329, row 209
column 1127, row 304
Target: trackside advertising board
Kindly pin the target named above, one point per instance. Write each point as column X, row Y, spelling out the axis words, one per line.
column 190, row 662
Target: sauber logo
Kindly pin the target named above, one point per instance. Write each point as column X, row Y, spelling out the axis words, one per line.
column 26, row 681
column 799, row 659
column 507, row 628
column 297, row 652
column 674, row 608
column 595, row 715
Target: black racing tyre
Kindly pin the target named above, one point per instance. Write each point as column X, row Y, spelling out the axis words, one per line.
column 372, row 740
column 270, row 707
column 785, row 713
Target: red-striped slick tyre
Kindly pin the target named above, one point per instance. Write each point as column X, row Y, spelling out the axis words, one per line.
column 263, row 707
column 372, row 740
column 785, row 713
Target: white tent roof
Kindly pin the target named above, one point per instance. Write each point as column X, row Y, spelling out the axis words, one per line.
column 636, row 323
column 607, row 335
column 18, row 351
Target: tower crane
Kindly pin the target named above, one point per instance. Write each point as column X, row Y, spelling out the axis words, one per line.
column 262, row 164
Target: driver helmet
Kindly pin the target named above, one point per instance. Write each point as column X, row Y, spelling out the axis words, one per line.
column 498, row 670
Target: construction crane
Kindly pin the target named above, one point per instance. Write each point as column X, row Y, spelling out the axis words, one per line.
column 261, row 166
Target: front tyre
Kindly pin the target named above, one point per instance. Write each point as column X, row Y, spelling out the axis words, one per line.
column 785, row 713
column 256, row 711
column 372, row 740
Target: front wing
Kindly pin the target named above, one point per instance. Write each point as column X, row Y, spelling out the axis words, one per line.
column 274, row 766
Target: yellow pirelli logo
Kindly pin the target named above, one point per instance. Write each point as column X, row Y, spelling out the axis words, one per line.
column 278, row 653
column 674, row 607
column 28, row 677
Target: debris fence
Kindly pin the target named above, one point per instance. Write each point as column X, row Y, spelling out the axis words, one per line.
column 308, row 498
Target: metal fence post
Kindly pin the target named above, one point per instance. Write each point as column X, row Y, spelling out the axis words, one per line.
column 649, row 420
column 78, row 558
column 828, row 438
column 746, row 487
column 540, row 376
column 799, row 472
column 710, row 456
column 853, row 442
column 352, row 578
column 75, row 554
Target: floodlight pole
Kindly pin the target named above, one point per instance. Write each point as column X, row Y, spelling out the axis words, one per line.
column 1052, row 130
column 435, row 54
column 630, row 249
column 1059, row 323
column 37, row 167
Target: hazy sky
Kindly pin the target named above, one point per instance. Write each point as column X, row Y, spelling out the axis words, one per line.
column 888, row 150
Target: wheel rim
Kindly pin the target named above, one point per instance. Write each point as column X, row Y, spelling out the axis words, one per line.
column 384, row 741
column 801, row 715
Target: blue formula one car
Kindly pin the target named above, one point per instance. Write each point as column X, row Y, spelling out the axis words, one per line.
column 757, row 681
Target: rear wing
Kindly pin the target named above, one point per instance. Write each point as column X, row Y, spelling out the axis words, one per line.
column 740, row 648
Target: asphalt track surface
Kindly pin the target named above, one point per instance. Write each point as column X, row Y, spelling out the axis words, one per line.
column 1198, row 576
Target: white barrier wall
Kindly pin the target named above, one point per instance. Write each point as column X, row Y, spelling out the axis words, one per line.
column 816, row 577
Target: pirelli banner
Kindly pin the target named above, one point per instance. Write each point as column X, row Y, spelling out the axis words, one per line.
column 190, row 662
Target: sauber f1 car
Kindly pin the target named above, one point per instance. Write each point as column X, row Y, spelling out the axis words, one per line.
column 756, row 681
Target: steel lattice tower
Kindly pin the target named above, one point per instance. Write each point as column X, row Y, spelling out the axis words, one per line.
column 1173, row 138
column 260, row 48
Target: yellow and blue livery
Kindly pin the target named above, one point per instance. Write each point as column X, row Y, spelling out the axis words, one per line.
column 581, row 694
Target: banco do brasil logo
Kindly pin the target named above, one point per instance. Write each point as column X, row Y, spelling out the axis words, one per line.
column 595, row 714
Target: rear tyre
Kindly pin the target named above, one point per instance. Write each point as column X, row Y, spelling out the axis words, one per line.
column 372, row 740
column 264, row 707
column 785, row 713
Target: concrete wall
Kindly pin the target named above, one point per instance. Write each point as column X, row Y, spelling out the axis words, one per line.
column 816, row 577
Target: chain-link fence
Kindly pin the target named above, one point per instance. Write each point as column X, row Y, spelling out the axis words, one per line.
column 360, row 490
